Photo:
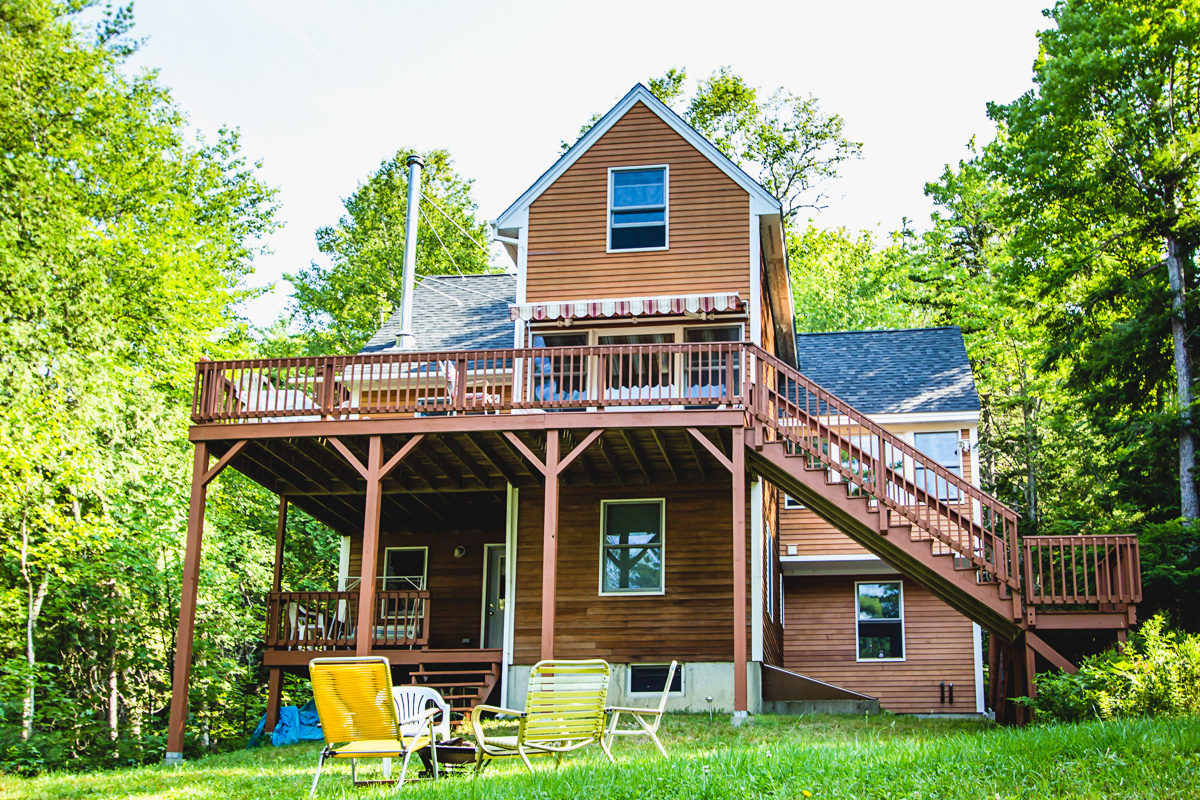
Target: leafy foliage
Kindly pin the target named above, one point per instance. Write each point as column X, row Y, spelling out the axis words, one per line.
column 341, row 303
column 1157, row 672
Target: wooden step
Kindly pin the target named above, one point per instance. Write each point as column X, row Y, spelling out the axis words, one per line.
column 462, row 686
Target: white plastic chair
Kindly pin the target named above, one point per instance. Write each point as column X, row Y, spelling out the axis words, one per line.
column 412, row 700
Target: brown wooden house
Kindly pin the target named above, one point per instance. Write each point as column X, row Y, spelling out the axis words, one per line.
column 623, row 451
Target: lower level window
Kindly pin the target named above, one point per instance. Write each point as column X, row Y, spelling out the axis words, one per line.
column 652, row 678
column 631, row 546
column 880, row 620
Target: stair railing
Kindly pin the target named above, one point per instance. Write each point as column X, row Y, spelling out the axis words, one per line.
column 895, row 476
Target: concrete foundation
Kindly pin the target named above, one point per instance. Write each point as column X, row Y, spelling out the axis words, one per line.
column 701, row 680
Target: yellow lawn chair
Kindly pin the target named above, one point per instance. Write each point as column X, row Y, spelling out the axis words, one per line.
column 358, row 715
column 648, row 719
column 564, row 711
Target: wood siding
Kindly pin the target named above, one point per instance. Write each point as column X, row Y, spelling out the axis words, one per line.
column 690, row 622
column 455, row 584
column 772, row 625
column 820, row 642
column 709, row 223
column 813, row 536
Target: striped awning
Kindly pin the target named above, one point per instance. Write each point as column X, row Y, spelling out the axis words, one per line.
column 628, row 307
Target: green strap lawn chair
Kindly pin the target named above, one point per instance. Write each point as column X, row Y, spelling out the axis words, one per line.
column 564, row 711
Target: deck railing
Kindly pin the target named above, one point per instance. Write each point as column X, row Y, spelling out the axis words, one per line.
column 781, row 404
column 1082, row 570
column 469, row 381
column 329, row 620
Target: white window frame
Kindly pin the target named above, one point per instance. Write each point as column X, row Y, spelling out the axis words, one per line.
column 792, row 504
column 772, row 571
column 678, row 671
column 666, row 245
column 424, row 571
column 662, row 548
column 956, row 465
column 903, row 638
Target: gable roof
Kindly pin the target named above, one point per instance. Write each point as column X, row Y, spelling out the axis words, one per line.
column 638, row 93
column 455, row 313
column 892, row 371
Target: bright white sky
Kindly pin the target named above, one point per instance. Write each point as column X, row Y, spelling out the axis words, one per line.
column 324, row 91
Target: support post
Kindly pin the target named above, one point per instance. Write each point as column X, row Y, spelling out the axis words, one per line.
column 280, row 532
column 187, row 607
column 274, row 690
column 371, row 512
column 550, row 545
column 740, row 703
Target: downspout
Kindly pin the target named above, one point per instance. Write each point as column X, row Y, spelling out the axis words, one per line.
column 405, row 339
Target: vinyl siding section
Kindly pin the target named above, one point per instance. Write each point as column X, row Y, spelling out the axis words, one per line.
column 820, row 641
column 708, row 234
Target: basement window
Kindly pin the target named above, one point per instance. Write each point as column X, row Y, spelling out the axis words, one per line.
column 637, row 209
column 879, row 618
column 631, row 546
column 651, row 678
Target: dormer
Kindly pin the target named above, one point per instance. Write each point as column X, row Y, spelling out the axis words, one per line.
column 649, row 219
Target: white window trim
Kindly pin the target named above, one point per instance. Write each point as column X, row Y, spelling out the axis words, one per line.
column 903, row 642
column 792, row 504
column 424, row 569
column 662, row 548
column 666, row 168
column 678, row 671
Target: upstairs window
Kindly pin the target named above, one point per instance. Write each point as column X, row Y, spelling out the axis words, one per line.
column 637, row 209
column 631, row 546
column 943, row 448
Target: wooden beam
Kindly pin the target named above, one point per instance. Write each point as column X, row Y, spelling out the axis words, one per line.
column 454, row 475
column 370, row 552
column 637, row 459
column 550, row 544
column 600, row 448
column 400, row 455
column 495, row 461
column 577, row 451
column 524, row 450
column 349, row 456
column 712, row 448
column 691, row 440
column 739, row 570
column 432, row 511
column 666, row 456
column 319, row 469
column 280, row 532
column 1056, row 658
column 187, row 607
column 224, row 460
column 470, row 464
column 274, row 690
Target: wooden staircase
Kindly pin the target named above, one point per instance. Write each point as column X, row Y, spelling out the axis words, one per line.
column 949, row 536
column 463, row 686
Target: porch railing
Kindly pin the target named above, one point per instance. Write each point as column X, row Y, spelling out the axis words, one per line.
column 329, row 620
column 469, row 381
column 1082, row 570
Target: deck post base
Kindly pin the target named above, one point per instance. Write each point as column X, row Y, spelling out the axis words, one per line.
column 174, row 759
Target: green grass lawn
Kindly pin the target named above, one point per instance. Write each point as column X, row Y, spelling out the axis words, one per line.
column 768, row 756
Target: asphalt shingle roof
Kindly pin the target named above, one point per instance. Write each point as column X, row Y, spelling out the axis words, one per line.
column 453, row 313
column 890, row 372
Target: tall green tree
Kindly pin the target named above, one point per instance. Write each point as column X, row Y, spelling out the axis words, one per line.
column 124, row 240
column 1102, row 156
column 342, row 301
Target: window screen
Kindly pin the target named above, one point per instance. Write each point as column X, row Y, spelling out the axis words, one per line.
column 638, row 215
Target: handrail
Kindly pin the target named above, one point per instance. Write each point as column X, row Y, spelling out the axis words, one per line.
column 468, row 381
column 1082, row 570
column 972, row 523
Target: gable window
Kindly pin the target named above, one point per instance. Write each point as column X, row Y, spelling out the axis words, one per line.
column 631, row 546
column 941, row 447
column 637, row 209
column 879, row 616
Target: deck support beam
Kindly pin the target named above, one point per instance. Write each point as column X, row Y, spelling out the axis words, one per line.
column 736, row 464
column 275, row 676
column 550, row 545
column 740, row 703
column 371, row 511
column 274, row 690
column 202, row 475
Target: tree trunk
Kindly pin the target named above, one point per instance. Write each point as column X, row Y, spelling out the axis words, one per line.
column 1189, row 504
column 33, row 610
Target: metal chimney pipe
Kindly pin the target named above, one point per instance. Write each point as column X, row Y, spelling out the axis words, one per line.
column 405, row 339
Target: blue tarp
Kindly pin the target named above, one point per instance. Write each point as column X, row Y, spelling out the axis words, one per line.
column 294, row 725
